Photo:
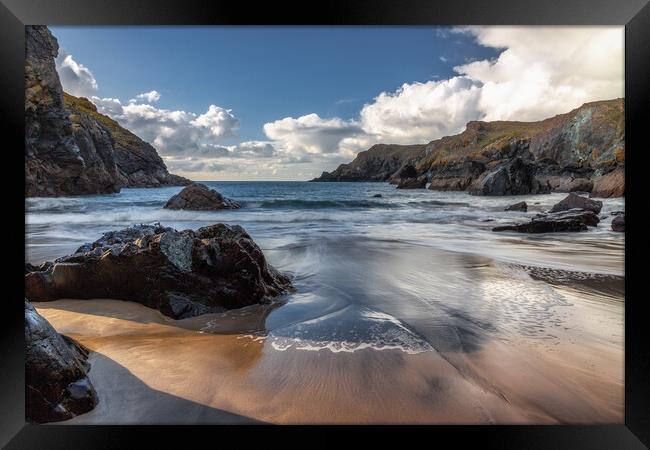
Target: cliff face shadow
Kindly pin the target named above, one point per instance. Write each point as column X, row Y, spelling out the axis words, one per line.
column 125, row 400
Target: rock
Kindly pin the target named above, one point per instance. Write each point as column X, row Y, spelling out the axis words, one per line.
column 573, row 201
column 199, row 197
column 572, row 220
column 181, row 273
column 377, row 196
column 455, row 176
column 618, row 224
column 617, row 213
column 412, row 183
column 515, row 177
column 521, row 206
column 71, row 149
column 610, row 185
column 377, row 163
column 56, row 367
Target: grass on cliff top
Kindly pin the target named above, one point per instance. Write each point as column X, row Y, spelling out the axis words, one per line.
column 121, row 135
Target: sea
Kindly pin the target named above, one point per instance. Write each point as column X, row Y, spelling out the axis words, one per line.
column 410, row 270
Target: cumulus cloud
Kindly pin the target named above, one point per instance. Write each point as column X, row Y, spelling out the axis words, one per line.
column 174, row 132
column 540, row 72
column 149, row 97
column 76, row 78
column 311, row 133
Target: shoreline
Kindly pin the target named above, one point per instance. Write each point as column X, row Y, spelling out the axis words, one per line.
column 148, row 368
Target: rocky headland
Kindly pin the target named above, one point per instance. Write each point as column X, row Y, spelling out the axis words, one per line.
column 580, row 151
column 181, row 273
column 70, row 148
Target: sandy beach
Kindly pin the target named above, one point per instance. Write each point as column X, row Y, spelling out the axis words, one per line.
column 150, row 369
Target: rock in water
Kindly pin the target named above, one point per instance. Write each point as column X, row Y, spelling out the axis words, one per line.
column 181, row 273
column 610, row 185
column 521, row 206
column 618, row 224
column 199, row 197
column 56, row 367
column 573, row 201
column 572, row 220
column 515, row 177
column 412, row 183
column 377, row 196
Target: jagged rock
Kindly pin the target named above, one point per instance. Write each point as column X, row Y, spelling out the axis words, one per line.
column 515, row 177
column 520, row 206
column 573, row 201
column 455, row 176
column 181, row 273
column 618, row 224
column 199, row 197
column 70, row 149
column 377, row 163
column 56, row 367
column 572, row 220
column 412, row 183
column 610, row 185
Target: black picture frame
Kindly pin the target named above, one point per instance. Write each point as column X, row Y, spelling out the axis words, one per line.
column 634, row 14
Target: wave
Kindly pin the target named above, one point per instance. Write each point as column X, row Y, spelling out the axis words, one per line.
column 319, row 204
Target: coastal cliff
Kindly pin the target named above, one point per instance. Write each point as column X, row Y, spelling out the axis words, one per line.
column 569, row 152
column 70, row 148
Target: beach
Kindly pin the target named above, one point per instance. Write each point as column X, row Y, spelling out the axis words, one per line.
column 407, row 309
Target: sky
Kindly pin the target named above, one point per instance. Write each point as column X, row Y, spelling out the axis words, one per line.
column 287, row 103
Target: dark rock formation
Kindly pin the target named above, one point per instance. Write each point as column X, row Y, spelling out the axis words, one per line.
column 412, row 183
column 455, row 176
column 199, row 197
column 377, row 163
column 68, row 149
column 573, row 201
column 56, row 367
column 520, row 206
column 611, row 184
column 181, row 273
column 515, row 177
column 566, row 153
column 618, row 224
column 377, row 196
column 572, row 220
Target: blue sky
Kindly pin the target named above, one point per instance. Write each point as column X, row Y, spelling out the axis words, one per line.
column 265, row 73
column 289, row 102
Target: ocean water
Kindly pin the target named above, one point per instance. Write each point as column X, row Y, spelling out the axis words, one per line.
column 414, row 270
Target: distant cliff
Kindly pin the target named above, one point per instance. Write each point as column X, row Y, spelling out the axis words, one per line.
column 71, row 149
column 582, row 150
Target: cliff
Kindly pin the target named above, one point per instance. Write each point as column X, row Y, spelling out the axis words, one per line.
column 568, row 152
column 71, row 149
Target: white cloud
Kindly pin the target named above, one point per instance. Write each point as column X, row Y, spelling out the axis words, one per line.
column 76, row 78
column 443, row 59
column 174, row 132
column 149, row 97
column 311, row 134
column 541, row 72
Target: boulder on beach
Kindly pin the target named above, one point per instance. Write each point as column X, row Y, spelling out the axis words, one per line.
column 56, row 383
column 520, row 206
column 572, row 220
column 618, row 224
column 611, row 184
column 181, row 273
column 199, row 197
column 573, row 201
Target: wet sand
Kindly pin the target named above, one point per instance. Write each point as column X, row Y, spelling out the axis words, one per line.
column 149, row 369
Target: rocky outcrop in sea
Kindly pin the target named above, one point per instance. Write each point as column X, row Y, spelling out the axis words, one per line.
column 181, row 273
column 580, row 151
column 71, row 149
column 56, row 367
column 199, row 197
